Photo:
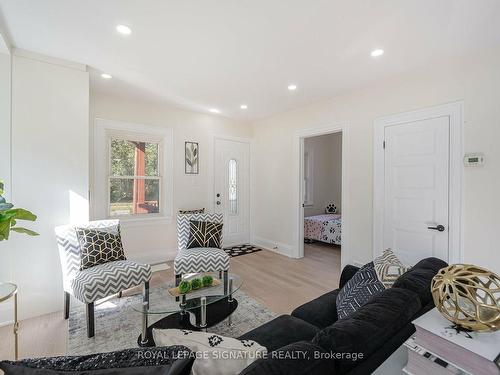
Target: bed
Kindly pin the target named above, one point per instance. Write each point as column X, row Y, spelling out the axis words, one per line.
column 325, row 228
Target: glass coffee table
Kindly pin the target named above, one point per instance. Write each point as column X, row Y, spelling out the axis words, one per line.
column 195, row 311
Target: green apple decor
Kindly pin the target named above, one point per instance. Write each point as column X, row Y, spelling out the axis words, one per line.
column 184, row 287
column 196, row 284
column 9, row 216
column 207, row 280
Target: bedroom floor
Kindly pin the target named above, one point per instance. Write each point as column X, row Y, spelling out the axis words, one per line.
column 316, row 249
column 279, row 282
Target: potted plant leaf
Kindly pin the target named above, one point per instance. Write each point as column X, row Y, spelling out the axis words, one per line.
column 9, row 217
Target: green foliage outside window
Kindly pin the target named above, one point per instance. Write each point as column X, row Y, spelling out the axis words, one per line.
column 123, row 170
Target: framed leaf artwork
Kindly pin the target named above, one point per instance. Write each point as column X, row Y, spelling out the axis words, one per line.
column 192, row 158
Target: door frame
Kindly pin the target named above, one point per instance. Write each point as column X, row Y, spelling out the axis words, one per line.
column 455, row 196
column 211, row 189
column 298, row 193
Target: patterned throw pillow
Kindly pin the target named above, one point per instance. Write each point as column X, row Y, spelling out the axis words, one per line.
column 222, row 355
column 389, row 268
column 99, row 247
column 204, row 234
column 358, row 290
column 192, row 212
column 331, row 209
column 370, row 279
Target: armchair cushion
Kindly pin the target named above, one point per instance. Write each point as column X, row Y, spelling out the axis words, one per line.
column 201, row 259
column 103, row 280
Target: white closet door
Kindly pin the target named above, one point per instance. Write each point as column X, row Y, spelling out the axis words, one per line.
column 417, row 188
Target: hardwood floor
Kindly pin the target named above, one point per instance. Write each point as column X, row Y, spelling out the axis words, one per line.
column 279, row 282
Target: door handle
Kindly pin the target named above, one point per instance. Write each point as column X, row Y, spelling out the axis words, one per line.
column 218, row 203
column 439, row 228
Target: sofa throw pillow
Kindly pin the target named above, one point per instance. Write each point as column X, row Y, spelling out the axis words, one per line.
column 204, row 234
column 389, row 268
column 358, row 290
column 138, row 361
column 192, row 212
column 370, row 279
column 221, row 355
column 98, row 246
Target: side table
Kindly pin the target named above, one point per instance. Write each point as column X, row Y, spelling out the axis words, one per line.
column 7, row 291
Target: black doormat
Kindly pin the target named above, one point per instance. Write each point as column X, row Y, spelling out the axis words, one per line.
column 236, row 251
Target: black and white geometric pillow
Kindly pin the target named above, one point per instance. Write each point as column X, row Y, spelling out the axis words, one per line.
column 192, row 212
column 99, row 247
column 358, row 290
column 204, row 234
column 331, row 209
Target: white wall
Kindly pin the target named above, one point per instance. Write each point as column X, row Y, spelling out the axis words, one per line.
column 327, row 172
column 49, row 161
column 475, row 80
column 5, row 92
column 157, row 242
column 5, row 101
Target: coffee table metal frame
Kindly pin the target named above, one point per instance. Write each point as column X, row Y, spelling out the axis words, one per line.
column 203, row 308
column 12, row 292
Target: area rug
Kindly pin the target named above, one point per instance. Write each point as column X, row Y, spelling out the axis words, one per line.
column 117, row 324
column 235, row 251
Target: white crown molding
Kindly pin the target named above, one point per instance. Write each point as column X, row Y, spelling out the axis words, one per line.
column 48, row 59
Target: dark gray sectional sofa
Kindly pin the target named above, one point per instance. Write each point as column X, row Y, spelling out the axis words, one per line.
column 308, row 340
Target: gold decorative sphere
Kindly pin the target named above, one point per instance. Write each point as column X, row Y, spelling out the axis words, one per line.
column 468, row 296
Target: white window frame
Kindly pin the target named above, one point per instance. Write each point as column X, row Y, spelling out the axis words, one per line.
column 104, row 132
column 308, row 178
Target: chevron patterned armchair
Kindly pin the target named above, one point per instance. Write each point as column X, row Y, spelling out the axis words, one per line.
column 90, row 284
column 199, row 259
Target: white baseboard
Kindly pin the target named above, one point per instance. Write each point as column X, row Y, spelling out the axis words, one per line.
column 277, row 247
column 160, row 267
column 155, row 257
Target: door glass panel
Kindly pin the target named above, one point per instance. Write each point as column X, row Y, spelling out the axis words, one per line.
column 233, row 187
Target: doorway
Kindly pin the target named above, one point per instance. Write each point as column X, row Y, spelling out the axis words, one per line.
column 327, row 210
column 417, row 184
column 231, row 188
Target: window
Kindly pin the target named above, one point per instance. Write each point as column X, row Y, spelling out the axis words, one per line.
column 233, row 187
column 134, row 181
column 308, row 178
column 132, row 171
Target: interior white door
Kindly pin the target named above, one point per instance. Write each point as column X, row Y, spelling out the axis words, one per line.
column 416, row 189
column 232, row 184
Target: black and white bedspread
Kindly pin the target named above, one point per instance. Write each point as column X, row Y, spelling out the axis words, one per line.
column 325, row 228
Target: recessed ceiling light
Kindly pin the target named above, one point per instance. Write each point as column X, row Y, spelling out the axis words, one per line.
column 106, row 76
column 123, row 29
column 377, row 52
column 243, row 106
column 214, row 110
column 292, row 87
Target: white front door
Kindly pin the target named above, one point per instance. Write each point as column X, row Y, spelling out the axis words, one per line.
column 232, row 181
column 416, row 189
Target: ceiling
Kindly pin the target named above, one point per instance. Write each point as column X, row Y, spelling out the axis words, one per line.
column 202, row 54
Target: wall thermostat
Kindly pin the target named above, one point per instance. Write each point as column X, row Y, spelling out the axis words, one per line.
column 474, row 160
